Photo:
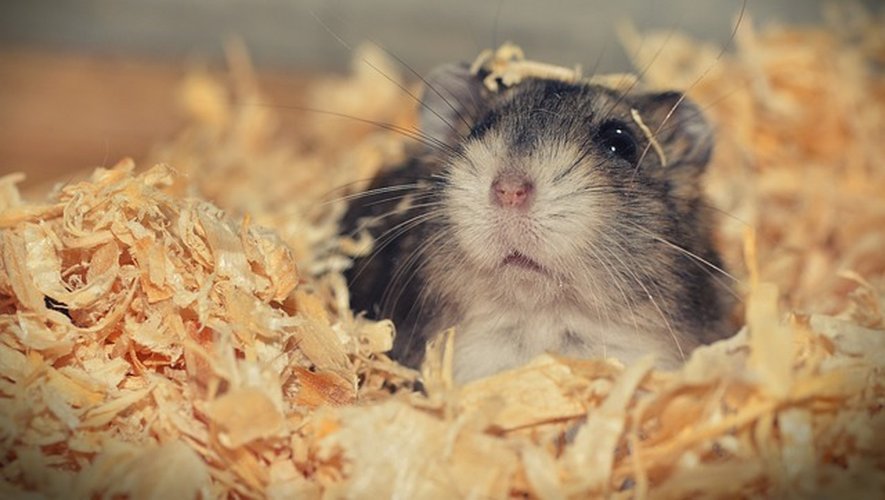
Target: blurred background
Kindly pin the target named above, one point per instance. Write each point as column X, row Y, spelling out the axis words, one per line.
column 84, row 83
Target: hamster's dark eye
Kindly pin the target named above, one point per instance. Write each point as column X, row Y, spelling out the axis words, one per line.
column 616, row 139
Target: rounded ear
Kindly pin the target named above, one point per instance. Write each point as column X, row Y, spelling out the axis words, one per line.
column 452, row 101
column 679, row 127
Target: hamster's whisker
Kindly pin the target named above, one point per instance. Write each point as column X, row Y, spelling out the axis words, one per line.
column 675, row 124
column 711, row 269
column 390, row 213
column 371, row 192
column 420, row 196
column 610, row 189
column 598, row 254
column 397, row 284
column 392, row 234
column 697, row 80
column 398, row 230
column 421, row 303
column 702, row 107
column 387, row 77
column 607, row 265
column 427, row 85
column 441, row 177
column 623, row 95
column 631, row 272
column 593, row 71
column 412, row 133
column 686, row 252
column 392, row 196
column 409, row 269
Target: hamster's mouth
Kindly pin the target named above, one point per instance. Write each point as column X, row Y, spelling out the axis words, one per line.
column 521, row 261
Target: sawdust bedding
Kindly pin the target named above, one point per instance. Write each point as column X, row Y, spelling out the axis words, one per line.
column 166, row 331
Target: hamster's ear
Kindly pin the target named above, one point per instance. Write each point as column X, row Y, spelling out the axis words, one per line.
column 680, row 128
column 453, row 100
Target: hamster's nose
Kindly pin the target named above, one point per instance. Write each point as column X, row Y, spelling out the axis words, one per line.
column 511, row 191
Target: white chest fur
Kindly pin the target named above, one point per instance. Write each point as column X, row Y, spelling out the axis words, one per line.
column 490, row 340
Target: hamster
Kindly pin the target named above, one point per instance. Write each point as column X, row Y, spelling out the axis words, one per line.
column 542, row 218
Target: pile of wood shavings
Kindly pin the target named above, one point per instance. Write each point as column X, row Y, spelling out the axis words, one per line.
column 142, row 331
column 152, row 346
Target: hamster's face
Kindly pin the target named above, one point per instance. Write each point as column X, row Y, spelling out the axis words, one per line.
column 556, row 190
column 543, row 183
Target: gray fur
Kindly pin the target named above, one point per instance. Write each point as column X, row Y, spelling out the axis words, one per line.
column 613, row 238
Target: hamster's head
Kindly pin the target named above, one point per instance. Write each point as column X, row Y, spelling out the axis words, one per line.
column 555, row 191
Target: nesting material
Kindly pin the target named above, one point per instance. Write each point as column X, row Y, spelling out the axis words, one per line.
column 155, row 345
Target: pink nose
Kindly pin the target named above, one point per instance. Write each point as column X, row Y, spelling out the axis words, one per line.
column 511, row 191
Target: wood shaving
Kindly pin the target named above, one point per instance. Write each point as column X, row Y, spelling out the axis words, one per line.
column 507, row 66
column 184, row 332
column 637, row 118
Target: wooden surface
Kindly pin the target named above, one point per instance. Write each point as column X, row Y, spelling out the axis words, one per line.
column 65, row 114
column 62, row 114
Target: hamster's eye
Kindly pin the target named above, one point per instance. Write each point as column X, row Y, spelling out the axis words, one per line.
column 616, row 139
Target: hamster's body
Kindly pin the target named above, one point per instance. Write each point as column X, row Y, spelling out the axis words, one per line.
column 543, row 220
